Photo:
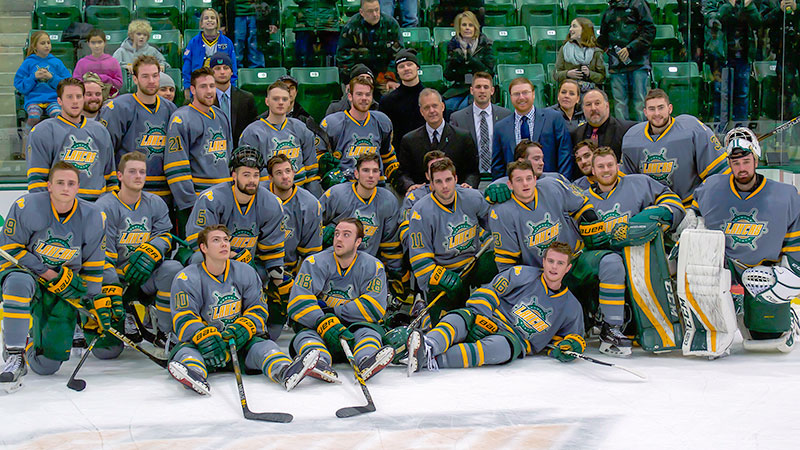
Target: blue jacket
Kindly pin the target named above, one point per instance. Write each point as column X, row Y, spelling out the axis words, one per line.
column 549, row 129
column 36, row 91
column 194, row 57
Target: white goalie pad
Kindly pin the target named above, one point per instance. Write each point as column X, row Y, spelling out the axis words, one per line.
column 690, row 221
column 704, row 293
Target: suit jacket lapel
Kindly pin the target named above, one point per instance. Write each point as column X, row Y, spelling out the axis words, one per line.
column 538, row 124
column 471, row 116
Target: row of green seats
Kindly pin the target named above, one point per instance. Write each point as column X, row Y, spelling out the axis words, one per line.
column 162, row 14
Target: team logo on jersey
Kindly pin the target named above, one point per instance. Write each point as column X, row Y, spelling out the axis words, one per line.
column 55, row 251
column 217, row 145
column 530, row 319
column 543, row 233
column 361, row 146
column 658, row 167
column 228, row 306
column 613, row 217
column 336, row 297
column 287, row 231
column 288, row 148
column 154, row 139
column 243, row 238
column 744, row 228
column 135, row 234
column 461, row 235
column 369, row 226
column 80, row 154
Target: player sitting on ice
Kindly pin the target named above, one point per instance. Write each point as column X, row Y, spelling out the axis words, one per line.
column 340, row 293
column 527, row 150
column 57, row 239
column 756, row 234
column 217, row 300
column 522, row 311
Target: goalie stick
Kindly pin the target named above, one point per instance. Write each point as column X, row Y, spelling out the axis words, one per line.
column 780, row 128
column 602, row 363
column 351, row 411
column 276, row 417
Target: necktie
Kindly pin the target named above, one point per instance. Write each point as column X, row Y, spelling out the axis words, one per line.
column 524, row 129
column 225, row 105
column 435, row 140
column 485, row 155
column 594, row 135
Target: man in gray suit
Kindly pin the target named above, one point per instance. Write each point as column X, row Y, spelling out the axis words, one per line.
column 479, row 118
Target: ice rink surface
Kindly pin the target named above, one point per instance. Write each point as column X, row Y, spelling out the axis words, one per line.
column 746, row 400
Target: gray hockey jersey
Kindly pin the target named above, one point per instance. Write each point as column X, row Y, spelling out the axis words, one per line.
column 86, row 146
column 198, row 147
column 302, row 228
column 349, row 139
column 409, row 201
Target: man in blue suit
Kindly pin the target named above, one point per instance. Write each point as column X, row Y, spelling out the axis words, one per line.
column 544, row 125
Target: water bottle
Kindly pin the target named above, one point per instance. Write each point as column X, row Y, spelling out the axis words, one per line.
column 617, row 49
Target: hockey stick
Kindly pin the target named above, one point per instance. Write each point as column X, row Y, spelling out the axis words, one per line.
column 85, row 312
column 250, row 415
column 77, row 384
column 602, row 363
column 780, row 128
column 351, row 411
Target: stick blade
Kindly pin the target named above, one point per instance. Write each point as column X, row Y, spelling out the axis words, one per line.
column 76, row 384
column 632, row 372
column 269, row 417
column 351, row 411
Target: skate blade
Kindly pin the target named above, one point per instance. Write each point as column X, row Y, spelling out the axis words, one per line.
column 309, row 362
column 180, row 373
column 612, row 350
column 324, row 376
column 413, row 345
column 12, row 386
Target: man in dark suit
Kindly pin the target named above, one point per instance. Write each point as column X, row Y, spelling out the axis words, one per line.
column 542, row 125
column 436, row 134
column 239, row 105
column 600, row 127
column 481, row 115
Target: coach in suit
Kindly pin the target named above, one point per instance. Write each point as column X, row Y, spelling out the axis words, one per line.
column 604, row 130
column 238, row 105
column 481, row 115
column 436, row 134
column 542, row 125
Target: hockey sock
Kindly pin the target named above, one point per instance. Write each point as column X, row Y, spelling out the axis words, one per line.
column 489, row 350
column 273, row 364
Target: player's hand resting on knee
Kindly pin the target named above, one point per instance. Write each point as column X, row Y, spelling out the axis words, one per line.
column 66, row 284
column 570, row 343
column 209, row 341
column 330, row 329
column 101, row 307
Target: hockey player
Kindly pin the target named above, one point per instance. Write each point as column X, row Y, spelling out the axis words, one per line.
column 445, row 231
column 138, row 242
column 70, row 137
column 760, row 220
column 583, row 152
column 498, row 191
column 523, row 311
column 217, row 300
column 56, row 238
column 678, row 152
column 138, row 122
column 277, row 134
column 340, row 293
column 254, row 217
column 198, row 142
column 416, row 194
column 356, row 132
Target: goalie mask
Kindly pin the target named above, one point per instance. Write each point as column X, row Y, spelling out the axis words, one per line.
column 246, row 156
column 740, row 141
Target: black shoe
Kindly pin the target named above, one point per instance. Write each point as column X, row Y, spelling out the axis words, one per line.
column 613, row 342
column 298, row 369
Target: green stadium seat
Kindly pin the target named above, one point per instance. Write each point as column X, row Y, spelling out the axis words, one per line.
column 766, row 89
column 56, row 14
column 318, row 87
column 511, row 44
column 546, row 41
column 350, row 7
column 191, row 13
column 64, row 51
column 666, row 44
column 533, row 72
column 589, row 9
column 256, row 82
column 175, row 74
column 162, row 14
column 500, row 13
column 289, row 10
column 681, row 81
column 115, row 38
column 418, row 38
column 168, row 42
column 668, row 12
column 441, row 37
column 546, row 13
column 110, row 17
column 432, row 76
column 188, row 34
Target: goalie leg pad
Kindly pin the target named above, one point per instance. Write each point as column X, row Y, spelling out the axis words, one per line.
column 704, row 294
column 655, row 310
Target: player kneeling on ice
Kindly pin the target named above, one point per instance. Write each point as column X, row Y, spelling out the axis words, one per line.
column 217, row 300
column 340, row 293
column 58, row 238
column 750, row 225
column 523, row 311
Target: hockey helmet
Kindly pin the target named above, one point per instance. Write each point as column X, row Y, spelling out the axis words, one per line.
column 246, row 156
column 740, row 141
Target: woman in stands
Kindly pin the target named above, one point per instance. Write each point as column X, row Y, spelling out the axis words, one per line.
column 37, row 79
column 104, row 65
column 136, row 45
column 569, row 98
column 580, row 58
column 468, row 52
column 205, row 44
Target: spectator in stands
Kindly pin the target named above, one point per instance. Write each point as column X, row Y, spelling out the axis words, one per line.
column 600, row 127
column 100, row 62
column 245, row 29
column 93, row 95
column 469, row 51
column 37, row 79
column 568, row 97
column 480, row 118
column 408, row 11
column 317, row 21
column 238, row 105
column 541, row 125
column 738, row 21
column 136, row 45
column 200, row 48
column 626, row 34
column 343, row 104
column 369, row 37
column 445, row 11
column 788, row 68
column 166, row 88
column 402, row 104
column 580, row 58
column 296, row 110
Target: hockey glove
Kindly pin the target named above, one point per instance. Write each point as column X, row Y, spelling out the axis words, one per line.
column 327, row 235
column 142, row 263
column 447, row 281
column 241, row 331
column 184, row 255
column 570, row 343
column 67, row 284
column 114, row 292
column 398, row 283
column 481, row 328
column 327, row 162
column 330, row 329
column 333, row 178
column 397, row 339
column 498, row 193
column 100, row 308
column 210, row 344
column 633, row 234
column 594, row 234
column 654, row 214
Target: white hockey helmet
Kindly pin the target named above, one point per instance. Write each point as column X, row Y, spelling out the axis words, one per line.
column 742, row 139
